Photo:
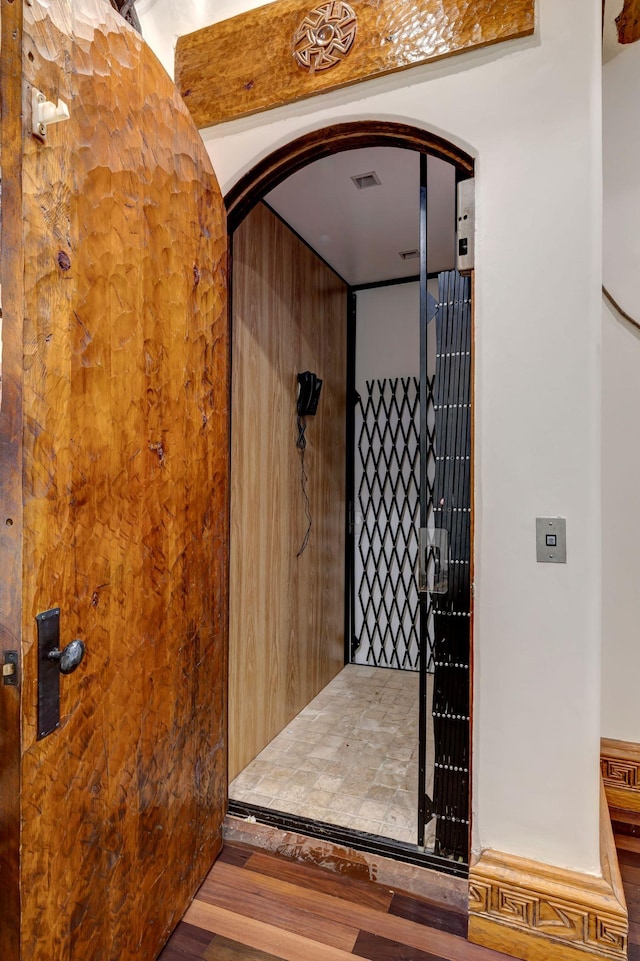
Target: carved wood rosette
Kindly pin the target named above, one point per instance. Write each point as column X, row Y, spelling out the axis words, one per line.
column 325, row 36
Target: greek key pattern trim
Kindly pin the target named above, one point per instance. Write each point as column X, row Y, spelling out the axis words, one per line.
column 562, row 920
column 325, row 36
column 620, row 773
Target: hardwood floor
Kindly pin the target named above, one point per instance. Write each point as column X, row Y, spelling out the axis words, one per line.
column 626, row 829
column 259, row 907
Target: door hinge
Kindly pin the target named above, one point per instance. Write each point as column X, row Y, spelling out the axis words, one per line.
column 10, row 669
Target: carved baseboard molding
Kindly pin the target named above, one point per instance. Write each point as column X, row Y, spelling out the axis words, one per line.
column 538, row 912
column 620, row 765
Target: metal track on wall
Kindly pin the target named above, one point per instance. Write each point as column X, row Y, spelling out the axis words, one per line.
column 452, row 611
column 387, row 465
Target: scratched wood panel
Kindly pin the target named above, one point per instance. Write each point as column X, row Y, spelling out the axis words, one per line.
column 245, row 64
column 286, row 630
column 125, row 436
column 11, row 267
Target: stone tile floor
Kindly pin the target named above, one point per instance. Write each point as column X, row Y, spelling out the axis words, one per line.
column 349, row 758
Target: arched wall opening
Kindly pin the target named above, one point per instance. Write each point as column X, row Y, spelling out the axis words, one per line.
column 286, row 160
column 241, row 200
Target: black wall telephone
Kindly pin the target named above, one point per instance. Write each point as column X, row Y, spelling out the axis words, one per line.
column 309, row 386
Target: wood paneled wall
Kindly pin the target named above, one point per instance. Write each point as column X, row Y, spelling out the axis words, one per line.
column 287, row 612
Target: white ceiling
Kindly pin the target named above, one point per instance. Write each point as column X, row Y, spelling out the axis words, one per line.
column 360, row 233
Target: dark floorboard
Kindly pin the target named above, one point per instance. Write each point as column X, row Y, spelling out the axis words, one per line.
column 381, row 949
column 428, row 913
column 187, row 943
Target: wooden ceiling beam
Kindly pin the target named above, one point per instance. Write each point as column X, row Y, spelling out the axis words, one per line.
column 288, row 50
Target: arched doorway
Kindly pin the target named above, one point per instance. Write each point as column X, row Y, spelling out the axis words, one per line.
column 286, row 160
column 450, row 754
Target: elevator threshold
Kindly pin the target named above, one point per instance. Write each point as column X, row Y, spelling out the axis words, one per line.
column 345, row 770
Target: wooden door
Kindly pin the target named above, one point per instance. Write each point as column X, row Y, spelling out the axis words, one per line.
column 114, row 491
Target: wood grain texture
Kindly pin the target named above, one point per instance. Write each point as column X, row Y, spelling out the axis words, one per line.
column 628, row 22
column 246, row 911
column 125, row 434
column 240, row 891
column 258, row 934
column 191, row 943
column 12, row 273
column 253, row 890
column 187, row 943
column 535, row 911
column 260, row 71
column 223, row 949
column 286, row 612
column 430, row 913
column 620, row 766
column 308, row 876
column 384, row 949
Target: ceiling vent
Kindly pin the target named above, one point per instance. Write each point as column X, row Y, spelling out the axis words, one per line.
column 367, row 180
column 409, row 254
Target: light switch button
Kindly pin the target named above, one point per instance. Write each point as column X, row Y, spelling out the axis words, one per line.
column 551, row 540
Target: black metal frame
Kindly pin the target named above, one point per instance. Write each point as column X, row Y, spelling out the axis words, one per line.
column 424, row 812
column 349, row 540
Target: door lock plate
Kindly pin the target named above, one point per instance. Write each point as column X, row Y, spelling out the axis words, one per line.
column 10, row 669
column 48, row 672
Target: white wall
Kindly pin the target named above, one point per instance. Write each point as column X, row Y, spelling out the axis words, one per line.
column 530, row 112
column 621, row 177
column 621, row 399
column 387, row 347
column 387, row 333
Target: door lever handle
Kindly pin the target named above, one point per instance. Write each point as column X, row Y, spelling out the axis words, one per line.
column 52, row 662
column 69, row 657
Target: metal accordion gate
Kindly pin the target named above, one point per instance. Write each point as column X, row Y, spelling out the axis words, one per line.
column 451, row 610
column 422, row 622
column 388, row 500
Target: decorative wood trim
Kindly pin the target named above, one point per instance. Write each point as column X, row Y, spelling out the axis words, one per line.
column 535, row 911
column 620, row 766
column 282, row 163
column 245, row 64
